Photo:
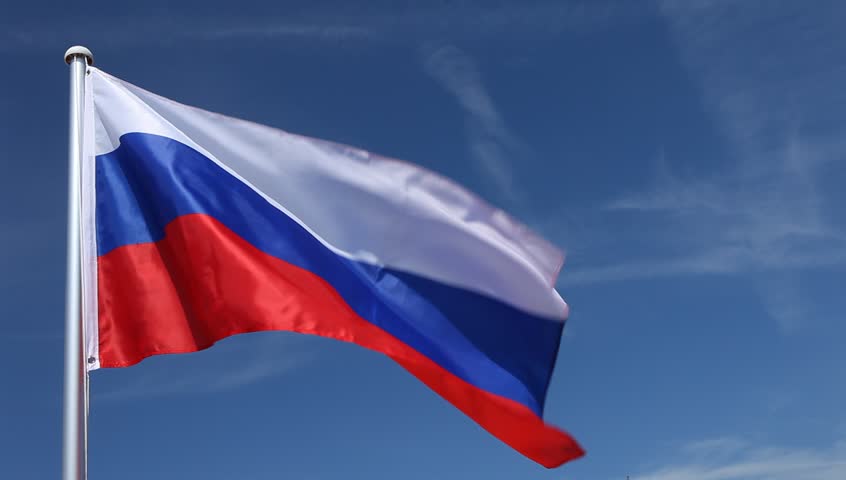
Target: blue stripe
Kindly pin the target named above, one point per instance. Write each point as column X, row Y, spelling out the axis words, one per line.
column 149, row 181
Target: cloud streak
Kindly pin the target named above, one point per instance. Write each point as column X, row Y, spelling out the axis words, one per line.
column 277, row 30
column 764, row 208
column 31, row 337
column 234, row 364
column 374, row 22
column 737, row 459
column 491, row 143
column 771, row 77
column 20, row 242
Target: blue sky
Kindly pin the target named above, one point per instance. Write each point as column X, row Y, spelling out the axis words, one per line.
column 688, row 155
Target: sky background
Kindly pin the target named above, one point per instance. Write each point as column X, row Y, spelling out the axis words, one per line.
column 689, row 156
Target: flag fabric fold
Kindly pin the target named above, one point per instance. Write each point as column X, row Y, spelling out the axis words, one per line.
column 198, row 226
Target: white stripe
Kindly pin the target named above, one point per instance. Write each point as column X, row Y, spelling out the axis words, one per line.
column 88, row 234
column 363, row 206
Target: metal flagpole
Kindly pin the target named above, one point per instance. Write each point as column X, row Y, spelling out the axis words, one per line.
column 75, row 424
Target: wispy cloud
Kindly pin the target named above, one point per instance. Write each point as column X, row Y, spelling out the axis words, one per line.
column 738, row 459
column 156, row 32
column 233, row 364
column 30, row 337
column 782, row 299
column 745, row 219
column 271, row 30
column 20, row 242
column 765, row 67
column 376, row 21
column 772, row 78
column 720, row 446
column 491, row 143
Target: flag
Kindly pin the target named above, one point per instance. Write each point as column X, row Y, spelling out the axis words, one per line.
column 197, row 226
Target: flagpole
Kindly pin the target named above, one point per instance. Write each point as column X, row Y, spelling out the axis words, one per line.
column 75, row 423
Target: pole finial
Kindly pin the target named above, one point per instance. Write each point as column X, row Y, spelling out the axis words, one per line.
column 79, row 50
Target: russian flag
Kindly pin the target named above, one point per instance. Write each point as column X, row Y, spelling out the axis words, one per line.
column 198, row 226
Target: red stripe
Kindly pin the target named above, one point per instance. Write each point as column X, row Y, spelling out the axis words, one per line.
column 203, row 283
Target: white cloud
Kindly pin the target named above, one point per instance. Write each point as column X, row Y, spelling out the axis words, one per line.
column 342, row 25
column 771, row 75
column 270, row 30
column 737, row 459
column 32, row 337
column 20, row 242
column 492, row 144
column 783, row 301
column 235, row 363
column 765, row 67
column 746, row 219
column 720, row 446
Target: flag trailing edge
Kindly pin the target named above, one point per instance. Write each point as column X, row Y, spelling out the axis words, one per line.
column 198, row 226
